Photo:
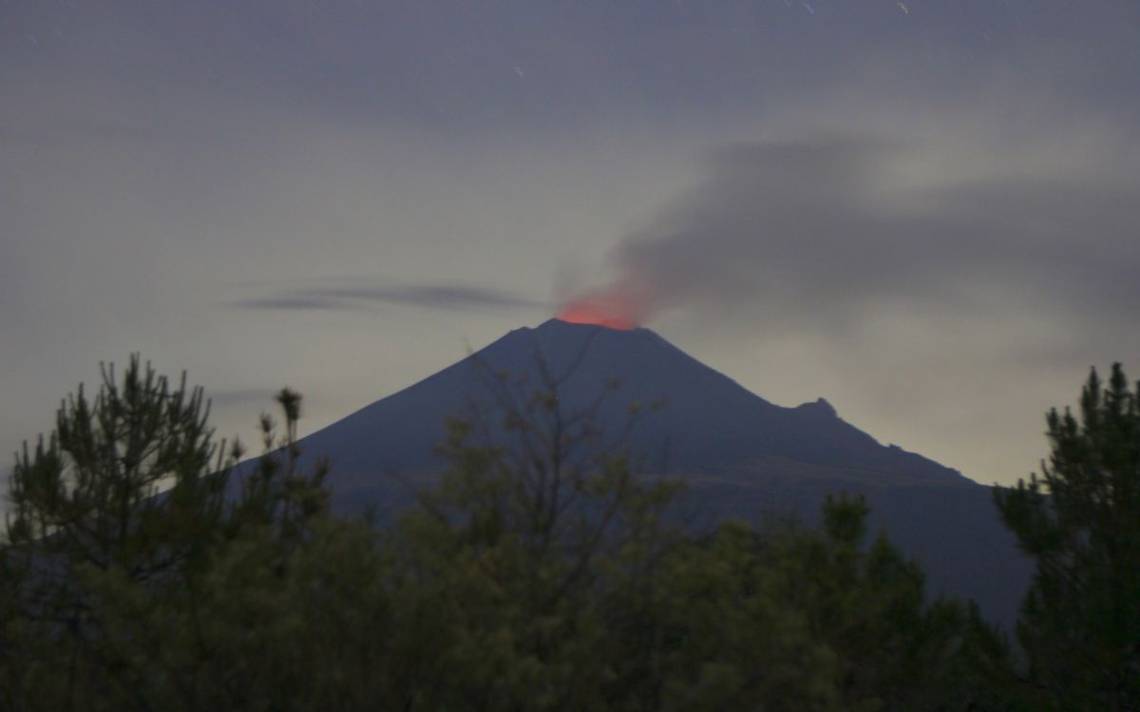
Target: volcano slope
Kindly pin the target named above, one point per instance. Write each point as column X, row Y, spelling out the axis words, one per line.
column 740, row 456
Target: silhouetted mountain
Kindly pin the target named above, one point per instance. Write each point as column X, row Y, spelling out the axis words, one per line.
column 742, row 456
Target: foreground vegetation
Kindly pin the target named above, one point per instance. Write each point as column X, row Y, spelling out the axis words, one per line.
column 143, row 571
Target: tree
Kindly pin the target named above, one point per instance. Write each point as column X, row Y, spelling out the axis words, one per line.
column 120, row 529
column 90, row 492
column 123, row 484
column 503, row 569
column 541, row 573
column 1080, row 519
column 802, row 619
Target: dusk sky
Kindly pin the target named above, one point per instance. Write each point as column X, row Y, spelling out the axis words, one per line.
column 924, row 211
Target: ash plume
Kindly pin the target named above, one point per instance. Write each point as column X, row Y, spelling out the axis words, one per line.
column 818, row 232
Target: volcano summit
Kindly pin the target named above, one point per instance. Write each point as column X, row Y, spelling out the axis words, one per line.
column 740, row 455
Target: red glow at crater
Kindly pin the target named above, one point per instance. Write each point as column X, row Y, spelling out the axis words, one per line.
column 611, row 309
column 586, row 314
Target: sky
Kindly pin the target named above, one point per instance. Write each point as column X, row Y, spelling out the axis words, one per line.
column 923, row 211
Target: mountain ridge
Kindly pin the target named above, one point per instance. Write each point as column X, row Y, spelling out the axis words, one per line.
column 741, row 455
column 738, row 422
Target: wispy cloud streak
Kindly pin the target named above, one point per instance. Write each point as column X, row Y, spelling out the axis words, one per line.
column 447, row 297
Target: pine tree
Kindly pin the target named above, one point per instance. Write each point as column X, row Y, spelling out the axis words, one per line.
column 131, row 485
column 125, row 539
column 1080, row 519
column 125, row 480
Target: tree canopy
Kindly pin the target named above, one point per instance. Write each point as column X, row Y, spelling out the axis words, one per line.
column 147, row 569
column 1080, row 520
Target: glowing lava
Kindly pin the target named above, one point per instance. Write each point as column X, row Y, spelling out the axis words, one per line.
column 611, row 310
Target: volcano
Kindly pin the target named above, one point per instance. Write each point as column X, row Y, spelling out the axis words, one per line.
column 741, row 456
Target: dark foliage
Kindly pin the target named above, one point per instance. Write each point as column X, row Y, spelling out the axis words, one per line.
column 1080, row 520
column 539, row 574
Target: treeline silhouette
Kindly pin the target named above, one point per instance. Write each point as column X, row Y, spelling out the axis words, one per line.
column 144, row 570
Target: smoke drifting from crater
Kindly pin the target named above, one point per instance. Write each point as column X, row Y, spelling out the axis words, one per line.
column 819, row 232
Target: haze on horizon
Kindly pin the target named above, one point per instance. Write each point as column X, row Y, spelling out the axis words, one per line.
column 922, row 211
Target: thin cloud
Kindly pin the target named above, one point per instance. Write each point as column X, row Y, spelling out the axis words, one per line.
column 294, row 303
column 426, row 296
column 227, row 397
